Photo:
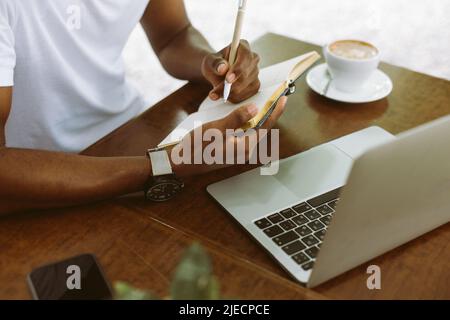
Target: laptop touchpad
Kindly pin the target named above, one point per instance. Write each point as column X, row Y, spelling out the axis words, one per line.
column 299, row 178
column 314, row 172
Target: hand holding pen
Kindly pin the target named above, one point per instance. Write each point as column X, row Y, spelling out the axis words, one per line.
column 235, row 65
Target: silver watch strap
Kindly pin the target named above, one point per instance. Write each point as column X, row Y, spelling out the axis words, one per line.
column 160, row 162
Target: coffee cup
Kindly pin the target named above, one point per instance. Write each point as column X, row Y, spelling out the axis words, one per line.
column 351, row 63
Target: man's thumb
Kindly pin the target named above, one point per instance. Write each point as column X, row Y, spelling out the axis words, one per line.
column 239, row 117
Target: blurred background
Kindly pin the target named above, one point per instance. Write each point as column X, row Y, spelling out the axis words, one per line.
column 410, row 33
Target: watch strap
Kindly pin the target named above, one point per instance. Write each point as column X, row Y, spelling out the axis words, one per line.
column 160, row 162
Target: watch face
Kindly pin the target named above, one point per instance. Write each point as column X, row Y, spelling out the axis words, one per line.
column 163, row 191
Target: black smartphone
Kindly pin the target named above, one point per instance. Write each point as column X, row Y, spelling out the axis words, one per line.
column 76, row 278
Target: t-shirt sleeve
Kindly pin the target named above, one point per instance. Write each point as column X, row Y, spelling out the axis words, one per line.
column 7, row 51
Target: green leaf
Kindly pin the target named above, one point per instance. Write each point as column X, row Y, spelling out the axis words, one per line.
column 193, row 278
column 124, row 291
column 214, row 289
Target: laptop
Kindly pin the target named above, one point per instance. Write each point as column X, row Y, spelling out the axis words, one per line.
column 340, row 204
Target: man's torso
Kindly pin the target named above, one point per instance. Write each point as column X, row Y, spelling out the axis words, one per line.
column 69, row 80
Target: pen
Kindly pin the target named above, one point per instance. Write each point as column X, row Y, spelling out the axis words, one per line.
column 235, row 44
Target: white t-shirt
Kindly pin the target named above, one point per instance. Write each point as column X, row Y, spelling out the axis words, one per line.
column 64, row 59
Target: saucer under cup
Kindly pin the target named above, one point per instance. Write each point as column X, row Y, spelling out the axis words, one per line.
column 377, row 87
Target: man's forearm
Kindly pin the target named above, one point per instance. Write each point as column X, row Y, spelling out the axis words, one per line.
column 182, row 57
column 38, row 179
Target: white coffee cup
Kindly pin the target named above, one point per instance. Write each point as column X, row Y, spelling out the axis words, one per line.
column 351, row 63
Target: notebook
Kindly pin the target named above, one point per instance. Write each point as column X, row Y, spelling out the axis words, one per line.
column 276, row 81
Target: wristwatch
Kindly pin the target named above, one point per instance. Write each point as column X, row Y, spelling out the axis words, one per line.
column 163, row 185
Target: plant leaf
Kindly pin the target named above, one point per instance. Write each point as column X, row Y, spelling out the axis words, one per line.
column 125, row 291
column 193, row 278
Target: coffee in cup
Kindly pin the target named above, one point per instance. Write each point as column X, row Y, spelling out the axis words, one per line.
column 353, row 49
column 351, row 63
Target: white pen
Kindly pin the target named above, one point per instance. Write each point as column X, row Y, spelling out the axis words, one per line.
column 235, row 44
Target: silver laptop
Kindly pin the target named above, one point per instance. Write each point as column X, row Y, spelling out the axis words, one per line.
column 338, row 205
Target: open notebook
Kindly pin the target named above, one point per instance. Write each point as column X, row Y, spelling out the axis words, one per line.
column 276, row 81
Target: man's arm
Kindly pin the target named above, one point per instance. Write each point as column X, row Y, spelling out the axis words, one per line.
column 185, row 53
column 32, row 179
column 178, row 45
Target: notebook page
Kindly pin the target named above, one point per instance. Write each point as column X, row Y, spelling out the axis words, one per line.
column 269, row 76
column 199, row 118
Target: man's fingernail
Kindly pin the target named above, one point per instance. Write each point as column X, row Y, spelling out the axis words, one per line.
column 222, row 68
column 213, row 96
column 252, row 109
column 231, row 77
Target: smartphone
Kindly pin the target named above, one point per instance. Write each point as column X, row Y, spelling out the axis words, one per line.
column 76, row 278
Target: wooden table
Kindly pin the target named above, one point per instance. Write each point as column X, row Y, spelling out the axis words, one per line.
column 141, row 242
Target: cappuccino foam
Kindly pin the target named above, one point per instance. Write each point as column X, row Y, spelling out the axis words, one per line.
column 351, row 49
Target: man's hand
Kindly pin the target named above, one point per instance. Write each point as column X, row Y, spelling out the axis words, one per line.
column 234, row 121
column 243, row 75
column 187, row 55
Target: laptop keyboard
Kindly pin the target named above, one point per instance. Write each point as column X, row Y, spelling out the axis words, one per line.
column 300, row 230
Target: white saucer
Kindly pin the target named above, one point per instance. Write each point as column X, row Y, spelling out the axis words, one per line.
column 378, row 86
